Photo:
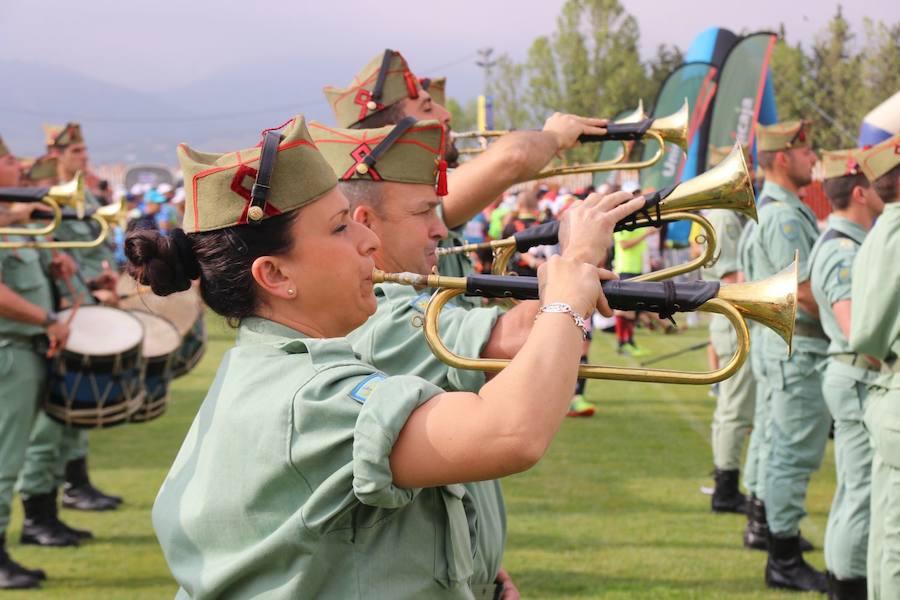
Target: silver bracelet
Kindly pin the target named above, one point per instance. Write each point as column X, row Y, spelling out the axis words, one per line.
column 562, row 307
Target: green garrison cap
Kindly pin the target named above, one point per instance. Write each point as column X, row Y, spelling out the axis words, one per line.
column 436, row 88
column 840, row 163
column 408, row 152
column 782, row 136
column 3, row 149
column 878, row 160
column 386, row 80
column 62, row 135
column 43, row 167
column 218, row 186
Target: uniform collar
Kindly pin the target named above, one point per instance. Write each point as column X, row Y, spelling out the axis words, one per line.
column 777, row 192
column 847, row 227
column 257, row 330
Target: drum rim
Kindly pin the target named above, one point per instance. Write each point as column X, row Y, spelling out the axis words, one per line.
column 91, row 307
column 167, row 321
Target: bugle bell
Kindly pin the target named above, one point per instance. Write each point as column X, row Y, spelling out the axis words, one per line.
column 69, row 194
column 726, row 186
column 771, row 302
column 106, row 217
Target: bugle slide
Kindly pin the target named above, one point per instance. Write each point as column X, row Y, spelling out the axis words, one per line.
column 771, row 302
column 105, row 216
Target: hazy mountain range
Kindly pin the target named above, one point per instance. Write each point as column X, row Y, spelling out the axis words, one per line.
column 224, row 111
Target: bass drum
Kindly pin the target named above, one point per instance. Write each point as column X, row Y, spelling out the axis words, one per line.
column 161, row 342
column 96, row 380
column 183, row 309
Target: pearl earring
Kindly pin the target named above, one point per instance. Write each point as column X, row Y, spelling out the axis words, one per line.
column 291, row 292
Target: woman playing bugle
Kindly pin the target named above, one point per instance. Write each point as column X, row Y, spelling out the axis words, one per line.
column 307, row 473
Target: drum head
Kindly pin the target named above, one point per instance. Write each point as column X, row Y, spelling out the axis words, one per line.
column 160, row 336
column 181, row 309
column 102, row 331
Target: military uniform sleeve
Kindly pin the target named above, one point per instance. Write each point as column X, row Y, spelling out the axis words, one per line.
column 875, row 312
column 834, row 273
column 728, row 229
column 782, row 235
column 385, row 410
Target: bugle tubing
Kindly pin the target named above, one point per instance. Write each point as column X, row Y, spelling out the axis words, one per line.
column 771, row 302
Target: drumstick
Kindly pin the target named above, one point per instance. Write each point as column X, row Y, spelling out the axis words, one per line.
column 76, row 304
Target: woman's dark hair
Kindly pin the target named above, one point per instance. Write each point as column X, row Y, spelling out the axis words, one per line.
column 220, row 259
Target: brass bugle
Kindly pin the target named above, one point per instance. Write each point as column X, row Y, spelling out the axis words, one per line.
column 106, row 217
column 726, row 186
column 69, row 194
column 771, row 302
column 636, row 116
column 672, row 129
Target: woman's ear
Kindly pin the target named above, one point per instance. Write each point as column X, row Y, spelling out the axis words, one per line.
column 268, row 275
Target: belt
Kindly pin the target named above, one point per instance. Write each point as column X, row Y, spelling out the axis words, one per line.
column 487, row 591
column 809, row 330
column 35, row 343
column 855, row 360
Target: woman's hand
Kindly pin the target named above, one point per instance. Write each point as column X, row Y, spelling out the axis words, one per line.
column 586, row 230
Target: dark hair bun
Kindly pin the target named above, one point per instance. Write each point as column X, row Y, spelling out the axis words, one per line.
column 167, row 264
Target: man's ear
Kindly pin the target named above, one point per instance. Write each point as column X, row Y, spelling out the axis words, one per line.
column 363, row 214
column 269, row 276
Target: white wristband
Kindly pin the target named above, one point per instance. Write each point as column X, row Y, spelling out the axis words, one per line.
column 561, row 307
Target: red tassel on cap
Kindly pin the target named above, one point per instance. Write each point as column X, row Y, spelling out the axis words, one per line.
column 441, row 189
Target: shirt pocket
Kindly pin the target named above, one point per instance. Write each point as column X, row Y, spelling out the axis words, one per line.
column 23, row 271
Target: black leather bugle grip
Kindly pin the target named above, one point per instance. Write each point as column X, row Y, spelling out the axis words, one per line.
column 619, row 132
column 548, row 233
column 661, row 297
column 545, row 233
column 22, row 194
column 66, row 214
column 502, row 286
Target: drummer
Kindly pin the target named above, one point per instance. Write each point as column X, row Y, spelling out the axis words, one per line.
column 58, row 454
column 26, row 314
column 335, row 480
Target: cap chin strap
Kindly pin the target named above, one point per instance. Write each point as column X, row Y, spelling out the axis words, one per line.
column 259, row 193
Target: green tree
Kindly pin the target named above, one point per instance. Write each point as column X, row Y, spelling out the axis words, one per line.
column 506, row 89
column 462, row 118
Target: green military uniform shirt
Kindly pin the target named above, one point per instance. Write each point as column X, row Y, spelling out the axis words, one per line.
column 283, row 488
column 831, row 264
column 728, row 226
column 90, row 260
column 23, row 271
column 875, row 312
column 786, row 225
column 393, row 341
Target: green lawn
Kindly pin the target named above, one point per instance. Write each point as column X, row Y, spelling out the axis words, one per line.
column 614, row 510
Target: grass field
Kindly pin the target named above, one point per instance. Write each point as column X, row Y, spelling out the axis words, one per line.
column 613, row 511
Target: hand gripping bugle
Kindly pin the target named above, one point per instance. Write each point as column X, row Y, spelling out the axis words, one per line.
column 771, row 302
column 727, row 186
column 672, row 129
column 69, row 194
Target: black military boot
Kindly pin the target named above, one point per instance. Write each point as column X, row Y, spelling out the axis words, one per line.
column 41, row 527
column 727, row 498
column 14, row 576
column 80, row 494
column 79, row 534
column 756, row 535
column 846, row 589
column 786, row 568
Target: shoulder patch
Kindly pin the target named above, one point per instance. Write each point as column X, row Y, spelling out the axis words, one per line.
column 791, row 229
column 843, row 273
column 420, row 302
column 364, row 388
